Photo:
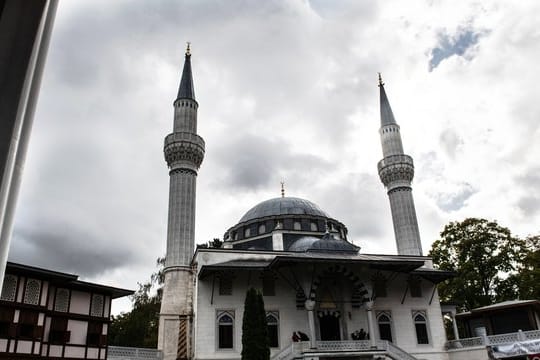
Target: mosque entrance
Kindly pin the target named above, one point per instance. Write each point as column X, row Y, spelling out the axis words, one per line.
column 329, row 327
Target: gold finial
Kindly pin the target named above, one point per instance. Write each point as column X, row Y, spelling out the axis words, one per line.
column 380, row 80
column 188, row 48
column 282, row 189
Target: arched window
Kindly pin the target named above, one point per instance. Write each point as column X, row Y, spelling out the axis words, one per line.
column 262, row 229
column 385, row 326
column 420, row 325
column 313, row 226
column 272, row 321
column 297, row 225
column 9, row 288
column 31, row 293
column 247, row 232
column 61, row 303
column 225, row 324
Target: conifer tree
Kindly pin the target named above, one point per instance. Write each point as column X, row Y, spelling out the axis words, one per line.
column 255, row 344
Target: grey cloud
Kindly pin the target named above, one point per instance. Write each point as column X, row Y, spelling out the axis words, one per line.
column 65, row 247
column 252, row 162
column 530, row 205
column 358, row 200
column 453, row 44
column 450, row 142
column 453, row 201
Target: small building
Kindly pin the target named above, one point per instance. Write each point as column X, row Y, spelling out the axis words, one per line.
column 501, row 318
column 53, row 315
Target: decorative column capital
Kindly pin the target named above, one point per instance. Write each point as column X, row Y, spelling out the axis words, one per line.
column 309, row 305
column 369, row 305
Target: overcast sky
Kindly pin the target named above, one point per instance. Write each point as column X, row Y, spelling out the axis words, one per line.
column 287, row 90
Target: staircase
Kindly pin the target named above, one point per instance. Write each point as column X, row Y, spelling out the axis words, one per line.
column 301, row 349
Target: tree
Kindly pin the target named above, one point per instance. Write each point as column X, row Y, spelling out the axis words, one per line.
column 139, row 327
column 485, row 257
column 526, row 281
column 213, row 244
column 255, row 343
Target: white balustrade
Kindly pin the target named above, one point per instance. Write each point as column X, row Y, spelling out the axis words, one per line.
column 500, row 339
column 129, row 353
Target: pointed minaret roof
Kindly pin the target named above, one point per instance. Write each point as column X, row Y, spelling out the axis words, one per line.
column 186, row 90
column 387, row 117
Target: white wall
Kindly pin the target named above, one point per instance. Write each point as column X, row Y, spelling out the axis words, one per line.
column 291, row 319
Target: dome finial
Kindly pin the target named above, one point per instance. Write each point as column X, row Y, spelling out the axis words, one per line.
column 188, row 48
column 381, row 83
column 282, row 189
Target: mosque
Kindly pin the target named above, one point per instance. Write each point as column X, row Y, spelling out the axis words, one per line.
column 324, row 298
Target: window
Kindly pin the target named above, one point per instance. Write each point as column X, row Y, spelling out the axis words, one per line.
column 262, row 229
column 225, row 322
column 269, row 285
column 297, row 225
column 420, row 325
column 94, row 337
column 59, row 334
column 61, row 303
column 385, row 326
column 31, row 293
column 225, row 285
column 415, row 287
column 27, row 327
column 247, row 232
column 97, row 305
column 272, row 322
column 6, row 323
column 9, row 288
column 313, row 226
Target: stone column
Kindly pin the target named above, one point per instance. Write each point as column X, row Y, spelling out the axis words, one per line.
column 454, row 325
column 310, row 305
column 371, row 324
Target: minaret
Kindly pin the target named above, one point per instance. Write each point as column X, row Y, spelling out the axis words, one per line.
column 396, row 171
column 184, row 152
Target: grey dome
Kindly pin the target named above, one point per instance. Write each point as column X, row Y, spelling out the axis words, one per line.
column 328, row 243
column 303, row 244
column 283, row 206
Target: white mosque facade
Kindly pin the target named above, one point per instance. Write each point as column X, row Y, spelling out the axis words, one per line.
column 315, row 283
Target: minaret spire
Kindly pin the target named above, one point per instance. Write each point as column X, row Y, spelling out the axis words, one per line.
column 396, row 171
column 387, row 116
column 184, row 153
column 186, row 90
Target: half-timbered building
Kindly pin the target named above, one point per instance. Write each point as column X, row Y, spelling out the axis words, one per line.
column 53, row 315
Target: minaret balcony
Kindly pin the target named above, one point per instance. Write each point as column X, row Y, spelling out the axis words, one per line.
column 396, row 168
column 184, row 150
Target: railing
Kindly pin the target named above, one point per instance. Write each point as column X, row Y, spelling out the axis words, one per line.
column 396, row 352
column 296, row 349
column 494, row 339
column 129, row 353
column 468, row 342
column 350, row 345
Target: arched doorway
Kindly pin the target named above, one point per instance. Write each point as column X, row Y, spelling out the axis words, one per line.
column 329, row 325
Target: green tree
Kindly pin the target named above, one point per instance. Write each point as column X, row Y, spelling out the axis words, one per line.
column 485, row 257
column 139, row 327
column 526, row 281
column 255, row 344
column 213, row 244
